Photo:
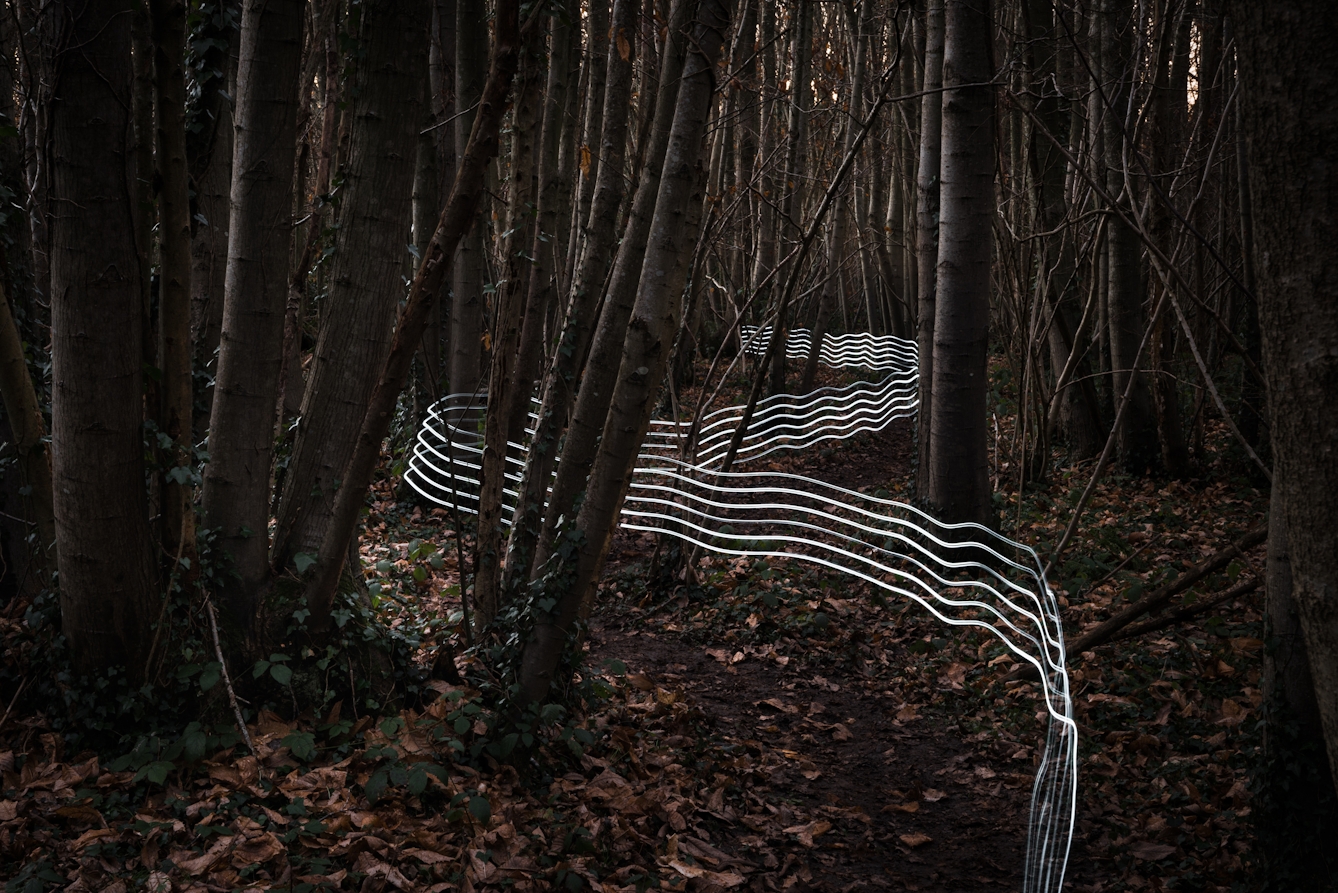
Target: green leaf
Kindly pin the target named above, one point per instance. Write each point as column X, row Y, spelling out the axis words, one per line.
column 259, row 669
column 375, row 785
column 480, row 808
column 303, row 561
column 383, row 566
column 417, row 780
column 210, row 675
column 281, row 674
column 156, row 771
column 302, row 744
column 615, row 666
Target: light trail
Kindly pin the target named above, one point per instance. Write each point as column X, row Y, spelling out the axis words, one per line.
column 965, row 575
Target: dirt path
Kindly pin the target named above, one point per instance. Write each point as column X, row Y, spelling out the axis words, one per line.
column 846, row 786
column 882, row 784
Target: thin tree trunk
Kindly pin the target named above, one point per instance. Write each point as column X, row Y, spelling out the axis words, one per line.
column 927, row 230
column 174, row 341
column 359, row 313
column 209, row 152
column 29, row 432
column 107, row 577
column 237, row 478
column 469, row 269
column 650, row 335
column 959, row 484
column 792, row 191
column 508, row 320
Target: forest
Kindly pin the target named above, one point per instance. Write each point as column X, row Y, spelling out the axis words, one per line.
column 618, row 445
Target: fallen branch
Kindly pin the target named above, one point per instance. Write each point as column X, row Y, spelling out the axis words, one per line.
column 1189, row 612
column 227, row 680
column 1155, row 600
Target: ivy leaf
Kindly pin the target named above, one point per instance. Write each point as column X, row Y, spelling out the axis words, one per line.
column 303, row 561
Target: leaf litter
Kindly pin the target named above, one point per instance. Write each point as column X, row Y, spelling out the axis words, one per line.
column 775, row 730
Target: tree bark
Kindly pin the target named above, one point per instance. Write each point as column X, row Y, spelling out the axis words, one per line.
column 359, row 313
column 237, row 478
column 927, row 230
column 102, row 534
column 29, row 432
column 1290, row 103
column 508, row 320
column 469, row 270
column 792, row 176
column 650, row 335
column 959, row 484
column 209, row 153
column 1296, row 807
column 174, row 298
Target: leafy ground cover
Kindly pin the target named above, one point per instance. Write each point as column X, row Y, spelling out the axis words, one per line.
column 763, row 727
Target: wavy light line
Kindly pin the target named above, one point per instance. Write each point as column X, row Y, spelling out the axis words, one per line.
column 963, row 574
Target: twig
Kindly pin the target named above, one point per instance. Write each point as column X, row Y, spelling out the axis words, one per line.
column 227, row 680
column 12, row 701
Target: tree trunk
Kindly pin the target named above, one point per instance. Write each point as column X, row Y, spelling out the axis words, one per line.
column 237, row 478
column 107, row 575
column 174, row 341
column 1295, row 810
column 508, row 319
column 927, row 230
column 650, row 335
column 209, row 153
column 959, row 484
column 792, row 177
column 1290, row 91
column 1138, row 442
column 469, row 269
column 359, row 313
column 29, row 432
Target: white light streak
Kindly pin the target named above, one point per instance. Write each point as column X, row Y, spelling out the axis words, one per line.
column 965, row 575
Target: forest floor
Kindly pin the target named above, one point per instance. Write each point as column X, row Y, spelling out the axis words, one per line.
column 767, row 727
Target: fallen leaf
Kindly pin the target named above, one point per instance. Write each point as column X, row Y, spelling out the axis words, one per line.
column 806, row 833
column 912, row 806
column 841, row 733
column 9, row 810
column 985, row 772
column 907, row 713
column 916, row 839
column 933, row 795
column 427, row 857
column 1151, row 851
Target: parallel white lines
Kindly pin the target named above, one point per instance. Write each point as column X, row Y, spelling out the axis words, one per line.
column 964, row 575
